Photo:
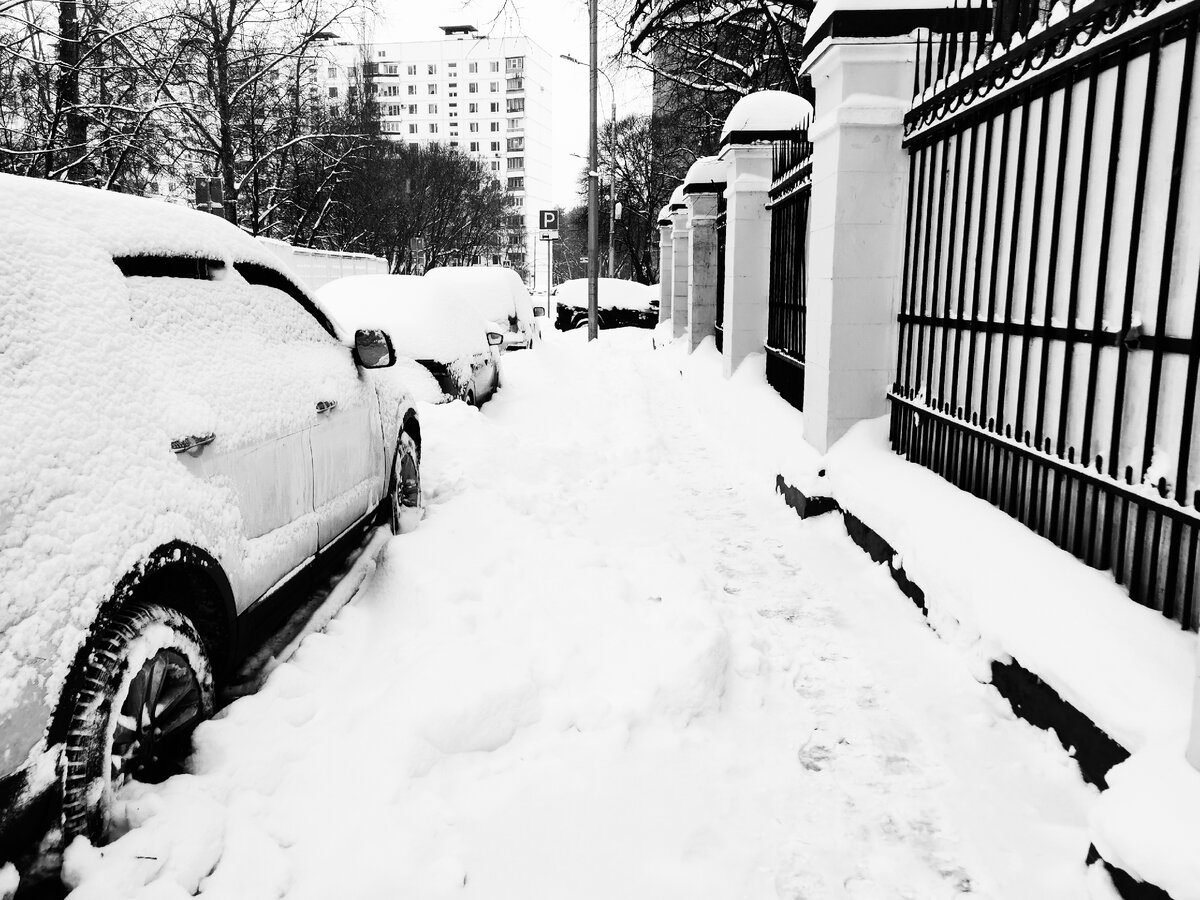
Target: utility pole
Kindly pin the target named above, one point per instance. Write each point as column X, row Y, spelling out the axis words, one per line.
column 593, row 176
column 612, row 224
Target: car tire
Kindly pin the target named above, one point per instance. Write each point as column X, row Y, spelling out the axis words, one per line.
column 405, row 500
column 147, row 665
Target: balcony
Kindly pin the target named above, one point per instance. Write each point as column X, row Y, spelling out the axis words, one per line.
column 516, row 84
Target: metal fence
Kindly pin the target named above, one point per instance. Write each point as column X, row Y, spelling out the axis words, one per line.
column 719, row 313
column 1049, row 329
column 791, row 190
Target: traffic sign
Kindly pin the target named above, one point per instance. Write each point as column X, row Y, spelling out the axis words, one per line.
column 548, row 219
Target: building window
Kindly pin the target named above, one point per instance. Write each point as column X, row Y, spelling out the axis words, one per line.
column 382, row 53
column 495, row 127
column 516, row 162
column 516, row 143
column 495, row 165
column 433, row 109
column 514, row 124
column 494, row 87
column 412, row 109
column 474, row 126
column 496, row 106
column 473, row 68
column 412, row 88
column 333, row 93
column 392, row 70
column 432, row 88
column 432, row 69
column 516, row 104
column 414, row 145
column 332, row 72
column 493, row 66
column 474, row 146
column 392, row 90
column 433, row 127
column 412, row 70
column 514, row 63
column 395, row 109
column 473, row 107
column 473, row 87
column 495, row 146
column 453, row 144
column 412, row 128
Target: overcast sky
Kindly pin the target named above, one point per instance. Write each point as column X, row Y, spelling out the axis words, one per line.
column 559, row 26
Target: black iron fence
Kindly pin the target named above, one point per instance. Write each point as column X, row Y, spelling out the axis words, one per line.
column 719, row 314
column 1050, row 331
column 787, row 313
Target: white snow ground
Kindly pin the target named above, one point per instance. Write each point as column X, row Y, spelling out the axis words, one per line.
column 610, row 663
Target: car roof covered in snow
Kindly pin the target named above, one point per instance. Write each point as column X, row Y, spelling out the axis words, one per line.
column 497, row 292
column 614, row 293
column 420, row 320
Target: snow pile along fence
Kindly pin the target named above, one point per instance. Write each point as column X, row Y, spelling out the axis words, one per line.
column 1049, row 333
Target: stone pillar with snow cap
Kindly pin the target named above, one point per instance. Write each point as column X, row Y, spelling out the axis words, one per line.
column 666, row 264
column 754, row 122
column 679, row 261
column 702, row 186
column 861, row 62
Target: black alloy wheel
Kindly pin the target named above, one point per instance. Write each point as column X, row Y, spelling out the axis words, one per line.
column 145, row 684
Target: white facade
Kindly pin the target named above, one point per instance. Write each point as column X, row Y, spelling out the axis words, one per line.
column 489, row 97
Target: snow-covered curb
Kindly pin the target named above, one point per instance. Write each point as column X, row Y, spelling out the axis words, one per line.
column 1148, row 822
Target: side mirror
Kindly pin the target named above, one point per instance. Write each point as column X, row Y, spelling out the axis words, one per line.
column 539, row 311
column 373, row 349
column 494, row 339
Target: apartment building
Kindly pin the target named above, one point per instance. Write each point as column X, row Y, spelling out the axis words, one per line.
column 489, row 97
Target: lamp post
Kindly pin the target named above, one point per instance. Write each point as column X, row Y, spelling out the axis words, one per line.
column 612, row 183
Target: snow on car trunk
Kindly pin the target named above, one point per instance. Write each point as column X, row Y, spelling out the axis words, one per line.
column 610, row 663
column 612, row 293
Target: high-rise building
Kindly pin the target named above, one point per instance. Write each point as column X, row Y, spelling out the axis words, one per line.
column 489, row 97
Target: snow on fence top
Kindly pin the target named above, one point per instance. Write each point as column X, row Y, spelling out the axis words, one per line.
column 706, row 175
column 676, row 198
column 664, row 215
column 765, row 112
column 826, row 8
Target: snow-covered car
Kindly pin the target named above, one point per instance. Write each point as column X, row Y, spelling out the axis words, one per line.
column 498, row 294
column 186, row 440
column 443, row 333
column 619, row 303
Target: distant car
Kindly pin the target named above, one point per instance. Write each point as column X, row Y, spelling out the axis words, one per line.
column 443, row 333
column 498, row 294
column 187, row 440
column 619, row 303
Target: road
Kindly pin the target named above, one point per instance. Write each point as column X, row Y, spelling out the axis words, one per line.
column 610, row 663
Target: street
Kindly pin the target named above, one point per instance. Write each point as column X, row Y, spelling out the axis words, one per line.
column 609, row 663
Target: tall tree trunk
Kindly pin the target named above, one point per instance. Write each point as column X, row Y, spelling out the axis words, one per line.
column 68, row 89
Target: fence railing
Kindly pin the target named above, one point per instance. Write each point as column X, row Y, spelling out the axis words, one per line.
column 787, row 311
column 719, row 312
column 1049, row 346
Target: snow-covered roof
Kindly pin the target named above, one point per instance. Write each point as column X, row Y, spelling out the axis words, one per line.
column 705, row 175
column 677, row 201
column 611, row 293
column 422, row 323
column 664, row 215
column 496, row 292
column 766, row 111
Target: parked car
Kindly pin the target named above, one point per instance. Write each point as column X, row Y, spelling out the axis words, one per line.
column 187, row 441
column 443, row 333
column 619, row 303
column 498, row 294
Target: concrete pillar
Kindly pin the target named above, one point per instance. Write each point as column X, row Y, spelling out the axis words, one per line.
column 666, row 266
column 856, row 229
column 747, row 250
column 679, row 265
column 702, row 266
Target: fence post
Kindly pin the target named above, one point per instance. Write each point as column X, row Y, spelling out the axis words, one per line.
column 679, row 258
column 747, row 248
column 857, row 221
column 704, row 179
column 666, row 265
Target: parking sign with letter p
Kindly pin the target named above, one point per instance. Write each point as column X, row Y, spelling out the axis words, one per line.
column 548, row 219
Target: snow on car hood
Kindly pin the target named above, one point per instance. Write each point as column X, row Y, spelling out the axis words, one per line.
column 494, row 291
column 421, row 323
column 613, row 293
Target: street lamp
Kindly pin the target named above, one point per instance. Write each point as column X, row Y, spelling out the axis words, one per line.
column 612, row 183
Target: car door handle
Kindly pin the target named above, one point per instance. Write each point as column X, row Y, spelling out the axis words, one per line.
column 324, row 406
column 188, row 443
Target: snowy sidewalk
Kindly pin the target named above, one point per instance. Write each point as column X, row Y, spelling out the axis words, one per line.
column 610, row 663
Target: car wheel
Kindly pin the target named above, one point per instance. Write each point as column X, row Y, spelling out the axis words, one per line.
column 145, row 684
column 407, row 504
